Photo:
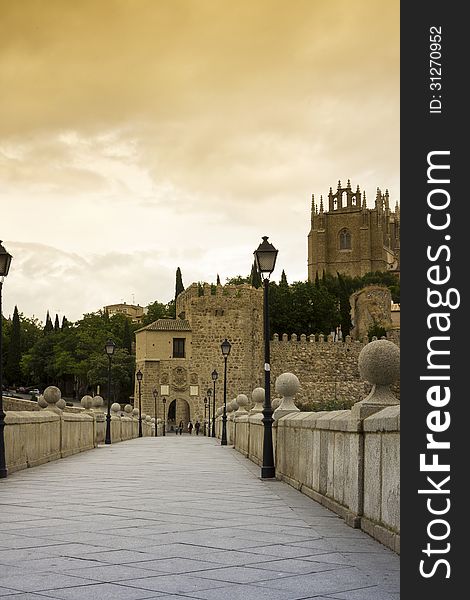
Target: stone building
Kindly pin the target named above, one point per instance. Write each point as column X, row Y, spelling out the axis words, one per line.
column 132, row 312
column 177, row 356
column 347, row 237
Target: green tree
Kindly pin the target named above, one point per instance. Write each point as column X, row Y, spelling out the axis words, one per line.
column 237, row 280
column 255, row 277
column 127, row 337
column 48, row 327
column 13, row 366
column 56, row 323
column 179, row 287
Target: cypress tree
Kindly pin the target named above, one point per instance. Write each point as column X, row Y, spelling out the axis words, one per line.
column 12, row 367
column 218, row 279
column 56, row 323
column 179, row 287
column 48, row 327
column 255, row 277
column 65, row 323
column 283, row 281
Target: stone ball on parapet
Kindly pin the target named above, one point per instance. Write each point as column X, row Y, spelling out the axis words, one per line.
column 128, row 409
column 230, row 407
column 52, row 394
column 242, row 400
column 61, row 404
column 287, row 385
column 148, row 418
column 115, row 407
column 275, row 403
column 159, row 421
column 379, row 362
column 86, row 402
column 135, row 412
column 257, row 397
column 41, row 402
column 152, row 419
column 219, row 411
column 98, row 401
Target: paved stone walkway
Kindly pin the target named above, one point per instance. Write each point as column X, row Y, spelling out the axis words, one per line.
column 116, row 523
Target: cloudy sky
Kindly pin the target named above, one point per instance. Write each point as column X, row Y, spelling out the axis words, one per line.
column 138, row 136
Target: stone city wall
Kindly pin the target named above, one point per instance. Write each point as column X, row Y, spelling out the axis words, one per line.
column 327, row 370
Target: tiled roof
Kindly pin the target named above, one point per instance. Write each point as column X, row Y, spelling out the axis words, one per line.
column 168, row 325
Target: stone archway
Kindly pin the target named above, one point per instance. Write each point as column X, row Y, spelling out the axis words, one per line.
column 178, row 410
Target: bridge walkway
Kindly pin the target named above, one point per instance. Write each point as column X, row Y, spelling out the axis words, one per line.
column 177, row 517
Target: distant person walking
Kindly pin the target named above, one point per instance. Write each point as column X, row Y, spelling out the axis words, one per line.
column 180, row 428
column 197, row 426
column 190, row 428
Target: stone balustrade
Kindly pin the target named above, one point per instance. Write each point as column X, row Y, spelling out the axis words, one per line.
column 52, row 431
column 348, row 460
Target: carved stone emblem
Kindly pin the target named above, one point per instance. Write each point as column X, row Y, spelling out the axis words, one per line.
column 179, row 379
column 164, row 379
column 193, row 378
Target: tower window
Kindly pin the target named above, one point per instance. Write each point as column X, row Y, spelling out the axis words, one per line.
column 345, row 239
column 178, row 347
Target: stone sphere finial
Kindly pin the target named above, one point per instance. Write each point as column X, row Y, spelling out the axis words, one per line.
column 257, row 395
column 115, row 409
column 287, row 385
column 379, row 364
column 135, row 412
column 148, row 418
column 61, row 404
column 275, row 403
column 242, row 403
column 41, row 402
column 98, row 402
column 52, row 395
column 86, row 402
column 128, row 409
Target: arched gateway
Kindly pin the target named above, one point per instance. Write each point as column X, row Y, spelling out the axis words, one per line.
column 178, row 410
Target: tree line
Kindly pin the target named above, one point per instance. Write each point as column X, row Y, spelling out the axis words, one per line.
column 71, row 355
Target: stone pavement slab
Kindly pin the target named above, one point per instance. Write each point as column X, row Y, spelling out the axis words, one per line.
column 177, row 517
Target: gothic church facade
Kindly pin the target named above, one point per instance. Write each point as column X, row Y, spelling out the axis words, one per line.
column 349, row 238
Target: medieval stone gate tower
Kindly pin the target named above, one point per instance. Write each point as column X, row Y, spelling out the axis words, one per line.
column 347, row 237
column 177, row 356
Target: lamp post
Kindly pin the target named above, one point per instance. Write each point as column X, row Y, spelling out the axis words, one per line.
column 265, row 257
column 209, row 396
column 214, row 376
column 205, row 415
column 109, row 347
column 139, row 377
column 225, row 346
column 5, row 261
column 155, row 395
column 164, row 415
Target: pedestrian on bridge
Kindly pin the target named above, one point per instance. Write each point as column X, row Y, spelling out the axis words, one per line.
column 197, row 426
column 190, row 427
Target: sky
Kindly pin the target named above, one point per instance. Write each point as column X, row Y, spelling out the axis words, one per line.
column 138, row 136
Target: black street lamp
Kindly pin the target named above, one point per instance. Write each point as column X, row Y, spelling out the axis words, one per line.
column 215, row 376
column 139, row 377
column 209, row 395
column 5, row 261
column 164, row 415
column 155, row 395
column 109, row 347
column 265, row 257
column 225, row 346
column 205, row 415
